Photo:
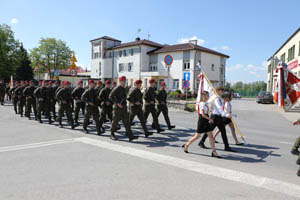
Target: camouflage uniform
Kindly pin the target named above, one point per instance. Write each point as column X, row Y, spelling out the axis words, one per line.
column 135, row 96
column 41, row 93
column 149, row 97
column 89, row 97
column 64, row 97
column 52, row 101
column 76, row 94
column 30, row 101
column 15, row 98
column 21, row 99
column 2, row 92
column 161, row 98
column 106, row 105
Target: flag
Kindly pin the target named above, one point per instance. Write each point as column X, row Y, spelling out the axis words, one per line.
column 204, row 85
column 11, row 81
column 288, row 89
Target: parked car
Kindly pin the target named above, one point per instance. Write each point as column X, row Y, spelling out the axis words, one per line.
column 264, row 97
column 237, row 95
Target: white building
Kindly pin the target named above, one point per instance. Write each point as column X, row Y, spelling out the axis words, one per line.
column 289, row 53
column 144, row 59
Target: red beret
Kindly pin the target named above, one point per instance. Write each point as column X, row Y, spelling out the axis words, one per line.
column 16, row 82
column 22, row 82
column 107, row 82
column 44, row 81
column 151, row 81
column 114, row 83
column 49, row 82
column 65, row 83
column 79, row 82
column 99, row 82
column 162, row 83
column 91, row 82
column 122, row 78
column 68, row 83
column 138, row 82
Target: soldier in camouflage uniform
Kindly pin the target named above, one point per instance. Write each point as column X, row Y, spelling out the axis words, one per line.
column 64, row 96
column 89, row 97
column 14, row 96
column 161, row 98
column 135, row 98
column 52, row 99
column 76, row 94
column 295, row 149
column 21, row 98
column 42, row 96
column 2, row 91
column 149, row 97
column 106, row 104
column 113, row 85
column 118, row 96
column 30, row 100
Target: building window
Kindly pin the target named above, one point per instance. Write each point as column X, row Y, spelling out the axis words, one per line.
column 130, row 67
column 121, row 67
column 120, row 53
column 186, row 65
column 212, row 67
column 124, row 53
column 221, row 69
column 291, row 53
column 175, row 83
column 110, row 54
column 99, row 68
column 282, row 58
column 131, row 52
column 153, row 68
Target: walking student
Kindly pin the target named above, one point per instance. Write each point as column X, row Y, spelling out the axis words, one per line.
column 227, row 121
column 217, row 114
column 204, row 125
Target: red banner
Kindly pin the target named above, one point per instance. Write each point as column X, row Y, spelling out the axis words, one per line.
column 293, row 64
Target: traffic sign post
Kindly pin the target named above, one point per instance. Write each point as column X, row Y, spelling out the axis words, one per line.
column 168, row 61
column 187, row 76
column 186, row 85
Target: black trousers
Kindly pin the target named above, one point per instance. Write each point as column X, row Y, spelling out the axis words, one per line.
column 218, row 122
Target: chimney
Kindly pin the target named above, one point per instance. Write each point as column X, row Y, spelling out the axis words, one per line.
column 137, row 39
column 193, row 42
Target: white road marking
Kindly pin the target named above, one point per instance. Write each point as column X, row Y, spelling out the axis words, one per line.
column 35, row 145
column 289, row 143
column 228, row 174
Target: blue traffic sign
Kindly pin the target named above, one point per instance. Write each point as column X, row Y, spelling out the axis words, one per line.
column 186, row 84
column 168, row 60
column 56, row 72
column 186, row 76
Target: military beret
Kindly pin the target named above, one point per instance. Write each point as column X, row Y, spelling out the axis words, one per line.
column 162, row 83
column 79, row 82
column 44, row 81
column 122, row 78
column 151, row 81
column 137, row 82
column 91, row 82
column 107, row 82
column 49, row 82
column 99, row 82
column 16, row 82
column 22, row 82
column 114, row 83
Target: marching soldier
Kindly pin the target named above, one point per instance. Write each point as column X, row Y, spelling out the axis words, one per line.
column 149, row 97
column 135, row 97
column 14, row 96
column 106, row 104
column 98, row 90
column 8, row 96
column 41, row 93
column 118, row 97
column 113, row 85
column 76, row 94
column 2, row 91
column 295, row 149
column 52, row 99
column 21, row 98
column 161, row 98
column 64, row 96
column 89, row 97
column 30, row 100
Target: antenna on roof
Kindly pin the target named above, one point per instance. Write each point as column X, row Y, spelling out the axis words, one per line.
column 149, row 36
column 138, row 32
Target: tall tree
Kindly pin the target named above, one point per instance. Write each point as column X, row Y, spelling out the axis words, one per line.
column 9, row 52
column 24, row 71
column 50, row 54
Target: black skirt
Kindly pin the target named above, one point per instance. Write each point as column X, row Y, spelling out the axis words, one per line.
column 226, row 120
column 203, row 125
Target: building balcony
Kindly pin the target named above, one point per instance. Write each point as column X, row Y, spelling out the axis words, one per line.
column 152, row 73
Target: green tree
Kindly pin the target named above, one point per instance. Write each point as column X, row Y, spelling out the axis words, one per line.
column 24, row 71
column 50, row 54
column 9, row 52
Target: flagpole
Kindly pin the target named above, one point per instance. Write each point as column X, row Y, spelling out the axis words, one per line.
column 237, row 128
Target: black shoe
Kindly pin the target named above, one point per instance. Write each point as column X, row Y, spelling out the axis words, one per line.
column 100, row 132
column 41, row 121
column 113, row 137
column 202, row 145
column 29, row 117
column 21, row 115
column 85, row 130
column 133, row 138
column 185, row 151
column 77, row 124
column 239, row 144
column 60, row 125
column 295, row 152
column 215, row 155
column 133, row 123
column 118, row 128
column 171, row 127
column 160, row 130
column 148, row 134
column 217, row 142
column 229, row 149
column 50, row 121
column 153, row 126
column 72, row 126
column 298, row 173
column 298, row 161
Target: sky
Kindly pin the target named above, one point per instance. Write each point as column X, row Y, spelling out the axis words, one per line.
column 249, row 31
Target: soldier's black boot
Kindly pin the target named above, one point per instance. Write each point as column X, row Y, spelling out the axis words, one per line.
column 40, row 121
column 133, row 138
column 118, row 127
column 86, row 130
column 77, row 123
column 298, row 161
column 60, row 125
column 170, row 127
column 50, row 121
column 298, row 173
column 160, row 130
column 295, row 152
column 99, row 131
column 147, row 134
column 72, row 125
column 153, row 126
column 113, row 137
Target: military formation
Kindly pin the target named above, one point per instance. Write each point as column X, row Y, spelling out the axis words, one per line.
column 103, row 102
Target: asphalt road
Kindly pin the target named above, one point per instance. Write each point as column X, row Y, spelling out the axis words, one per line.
column 41, row 161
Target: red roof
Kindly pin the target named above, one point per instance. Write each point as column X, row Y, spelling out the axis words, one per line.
column 184, row 47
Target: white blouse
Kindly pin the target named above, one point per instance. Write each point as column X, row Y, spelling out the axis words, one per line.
column 228, row 107
column 203, row 106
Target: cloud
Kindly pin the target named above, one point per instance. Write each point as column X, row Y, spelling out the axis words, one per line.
column 14, row 21
column 235, row 67
column 258, row 71
column 186, row 40
column 225, row 48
